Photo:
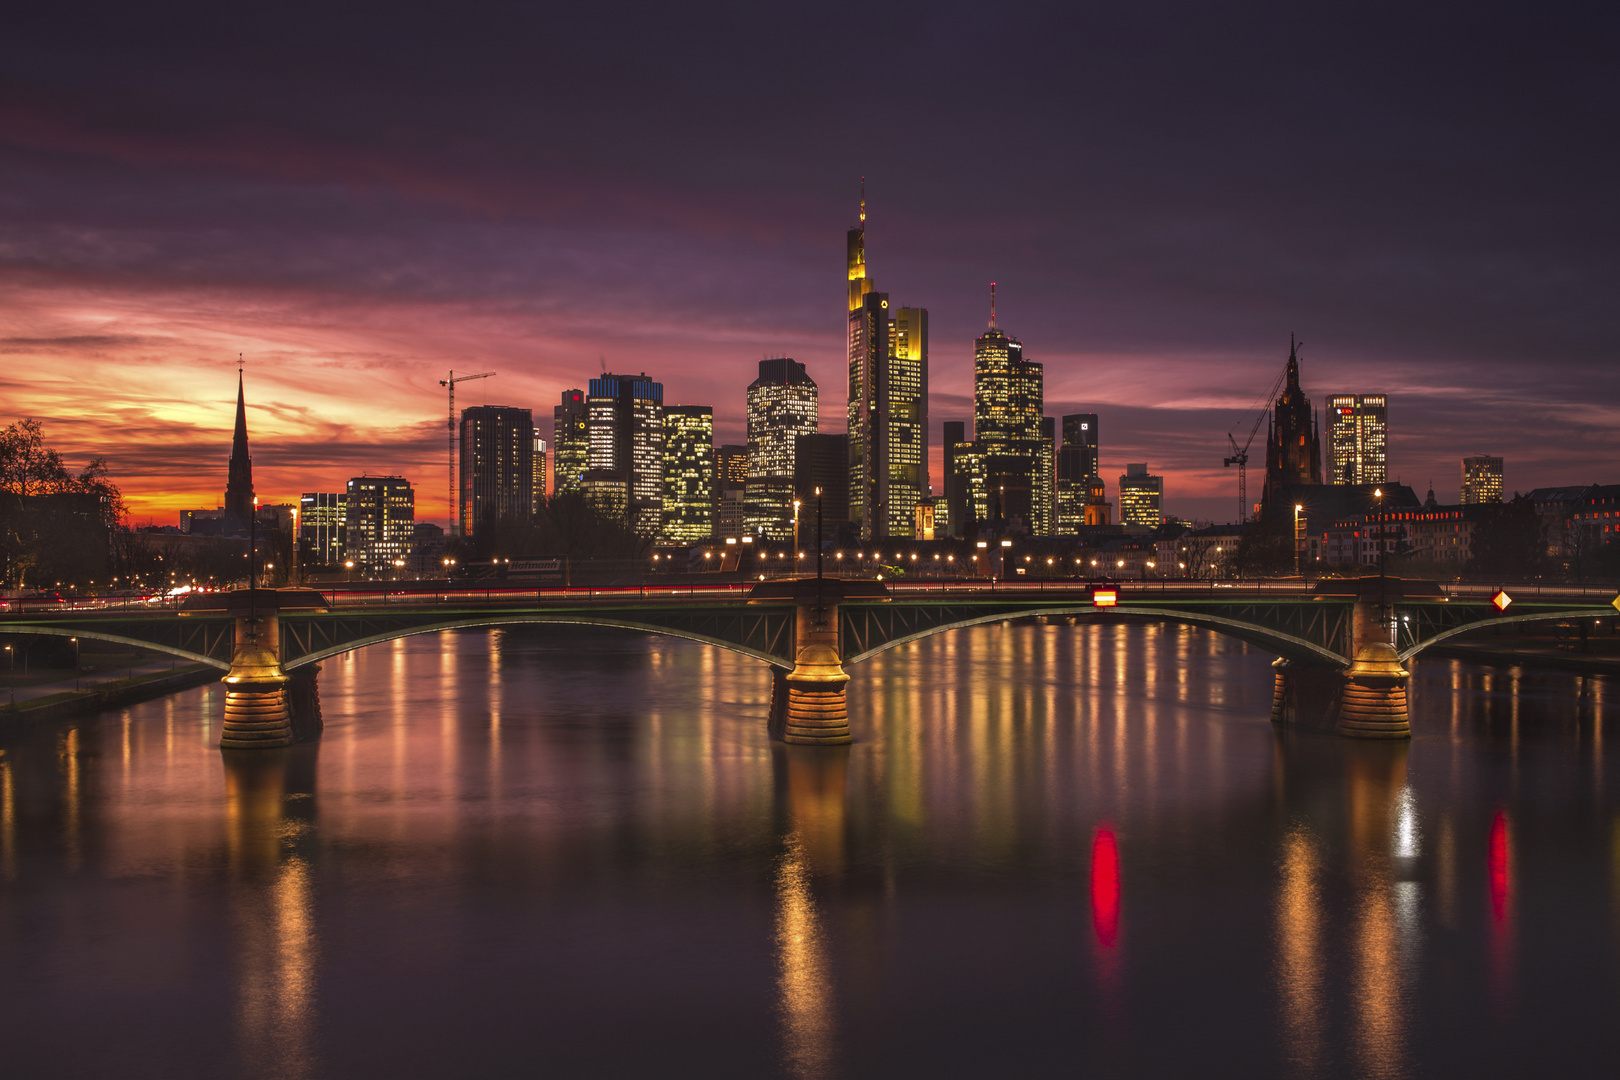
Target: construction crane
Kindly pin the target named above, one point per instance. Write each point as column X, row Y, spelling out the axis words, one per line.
column 450, row 430
column 1240, row 454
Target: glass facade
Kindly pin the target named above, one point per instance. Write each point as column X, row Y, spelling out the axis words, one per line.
column 625, row 434
column 380, row 517
column 322, row 521
column 689, row 505
column 1141, row 497
column 570, row 441
column 1357, row 439
column 782, row 406
column 1481, row 479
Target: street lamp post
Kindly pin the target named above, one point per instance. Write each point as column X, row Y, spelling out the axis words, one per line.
column 1299, row 559
column 1378, row 493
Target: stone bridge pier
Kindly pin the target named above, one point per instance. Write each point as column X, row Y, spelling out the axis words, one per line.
column 1367, row 700
column 809, row 705
column 265, row 708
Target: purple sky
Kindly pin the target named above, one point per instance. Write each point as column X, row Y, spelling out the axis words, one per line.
column 359, row 201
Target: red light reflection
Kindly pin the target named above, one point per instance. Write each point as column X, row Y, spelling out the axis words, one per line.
column 1105, row 886
column 1497, row 864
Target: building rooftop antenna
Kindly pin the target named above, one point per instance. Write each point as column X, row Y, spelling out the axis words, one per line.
column 863, row 200
column 992, row 305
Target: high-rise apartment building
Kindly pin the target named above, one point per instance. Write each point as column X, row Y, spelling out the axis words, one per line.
column 688, row 473
column 1293, row 448
column 538, row 491
column 1141, row 497
column 1481, row 479
column 380, row 516
column 1358, row 438
column 570, row 441
column 625, row 428
column 781, row 408
column 322, row 525
column 497, row 467
column 888, row 402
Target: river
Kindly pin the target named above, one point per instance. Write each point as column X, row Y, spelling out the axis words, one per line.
column 1052, row 851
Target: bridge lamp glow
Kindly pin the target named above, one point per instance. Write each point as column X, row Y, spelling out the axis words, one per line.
column 708, row 554
column 1105, row 598
column 1006, row 543
column 983, row 543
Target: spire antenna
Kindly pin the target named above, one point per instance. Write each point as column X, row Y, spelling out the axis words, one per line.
column 992, row 305
column 863, row 200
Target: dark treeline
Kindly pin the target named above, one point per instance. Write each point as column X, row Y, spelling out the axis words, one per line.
column 56, row 525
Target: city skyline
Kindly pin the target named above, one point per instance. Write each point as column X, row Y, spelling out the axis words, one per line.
column 155, row 228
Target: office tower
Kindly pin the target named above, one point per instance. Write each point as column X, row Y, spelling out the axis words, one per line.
column 822, row 462
column 1141, row 497
column 1293, row 449
column 570, row 442
column 538, row 490
column 608, row 490
column 1357, row 439
column 1080, row 432
column 379, row 520
column 497, row 468
column 1008, row 398
column 967, row 498
column 322, row 527
column 730, row 480
column 625, row 427
column 1046, row 480
column 688, row 473
column 888, row 402
column 781, row 408
column 1481, row 479
column 239, row 477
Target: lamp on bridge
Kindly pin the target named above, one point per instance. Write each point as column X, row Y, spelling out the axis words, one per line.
column 1299, row 567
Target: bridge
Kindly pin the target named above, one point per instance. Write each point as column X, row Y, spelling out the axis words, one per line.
column 1341, row 645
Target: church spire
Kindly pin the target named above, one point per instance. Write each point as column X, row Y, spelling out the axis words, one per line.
column 239, row 478
column 1293, row 365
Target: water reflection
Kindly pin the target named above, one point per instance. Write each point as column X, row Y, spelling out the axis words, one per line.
column 814, row 784
column 582, row 857
column 269, row 809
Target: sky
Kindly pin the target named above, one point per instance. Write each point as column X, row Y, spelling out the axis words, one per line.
column 357, row 198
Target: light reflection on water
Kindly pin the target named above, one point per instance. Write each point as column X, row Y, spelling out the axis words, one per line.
column 1053, row 849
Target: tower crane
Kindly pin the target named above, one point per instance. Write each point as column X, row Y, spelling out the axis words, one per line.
column 1240, row 454
column 450, row 429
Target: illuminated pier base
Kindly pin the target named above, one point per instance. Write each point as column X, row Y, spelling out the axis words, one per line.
column 256, row 715
column 265, row 708
column 814, row 710
column 1367, row 701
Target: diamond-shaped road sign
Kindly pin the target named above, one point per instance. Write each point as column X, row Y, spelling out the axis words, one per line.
column 1501, row 600
column 1615, row 603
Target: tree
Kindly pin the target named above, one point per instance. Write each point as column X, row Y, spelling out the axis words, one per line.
column 55, row 525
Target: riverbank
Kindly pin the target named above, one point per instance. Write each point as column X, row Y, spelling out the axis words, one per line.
column 68, row 702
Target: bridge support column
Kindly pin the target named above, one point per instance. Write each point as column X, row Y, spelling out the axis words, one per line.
column 814, row 708
column 256, row 715
column 1374, row 702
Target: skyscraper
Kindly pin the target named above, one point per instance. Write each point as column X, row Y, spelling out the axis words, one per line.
column 538, row 492
column 1481, row 479
column 888, row 402
column 1357, row 439
column 239, row 478
column 1293, row 448
column 688, row 473
column 822, row 462
column 731, row 478
column 1076, row 465
column 1009, row 428
column 1141, row 497
column 625, row 427
column 570, row 442
column 322, row 527
column 380, row 515
column 497, row 467
column 781, row 407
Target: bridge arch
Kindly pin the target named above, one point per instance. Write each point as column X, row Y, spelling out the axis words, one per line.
column 1496, row 620
column 117, row 639
column 1286, row 645
column 517, row 619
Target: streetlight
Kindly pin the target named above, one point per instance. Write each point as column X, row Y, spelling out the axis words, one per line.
column 795, row 525
column 1378, row 493
column 1299, row 567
